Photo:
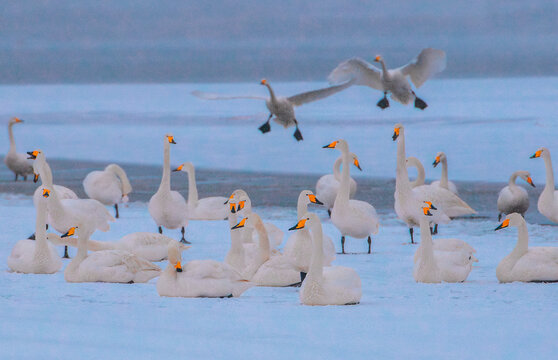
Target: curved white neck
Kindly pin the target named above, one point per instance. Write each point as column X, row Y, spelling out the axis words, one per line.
column 444, row 178
column 426, row 247
column 41, row 245
column 192, row 187
column 12, row 139
column 522, row 241
column 165, row 179
column 385, row 72
column 549, row 172
column 315, row 270
column 44, row 171
column 337, row 168
column 420, row 175
column 402, row 183
column 271, row 93
column 125, row 185
column 511, row 182
column 342, row 198
column 263, row 247
column 301, row 209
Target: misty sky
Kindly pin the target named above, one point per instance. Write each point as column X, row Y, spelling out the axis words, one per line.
column 233, row 40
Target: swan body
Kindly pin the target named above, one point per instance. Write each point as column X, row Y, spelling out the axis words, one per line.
column 198, row 278
column 351, row 217
column 513, row 198
column 394, row 81
column 114, row 266
column 524, row 263
column 548, row 200
column 414, row 162
column 17, row 162
column 39, row 256
column 109, row 186
column 299, row 245
column 282, row 107
column 444, row 182
column 209, row 208
column 168, row 208
column 330, row 285
column 328, row 185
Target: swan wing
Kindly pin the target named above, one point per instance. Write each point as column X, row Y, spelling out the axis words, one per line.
column 449, row 203
column 213, row 96
column 319, row 94
column 428, row 63
column 359, row 71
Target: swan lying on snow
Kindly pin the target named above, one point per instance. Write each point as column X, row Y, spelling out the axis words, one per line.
column 394, row 81
column 110, row 186
column 39, row 256
column 443, row 182
column 513, row 198
column 548, row 200
column 524, row 263
column 328, row 185
column 198, row 278
column 281, row 107
column 17, row 162
column 330, row 285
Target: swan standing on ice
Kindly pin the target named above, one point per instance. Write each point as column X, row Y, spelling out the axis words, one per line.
column 444, row 182
column 548, row 200
column 39, row 256
column 512, row 198
column 110, row 186
column 282, row 107
column 330, row 285
column 524, row 263
column 351, row 217
column 198, row 278
column 299, row 245
column 168, row 208
column 428, row 63
column 150, row 246
column 209, row 208
column 17, row 162
column 113, row 266
column 414, row 162
column 328, row 185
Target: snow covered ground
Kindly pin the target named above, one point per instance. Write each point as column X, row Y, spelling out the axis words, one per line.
column 44, row 316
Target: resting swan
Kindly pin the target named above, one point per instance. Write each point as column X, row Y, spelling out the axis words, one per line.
column 444, row 182
column 353, row 218
column 524, row 263
column 414, row 162
column 513, row 198
column 198, row 278
column 150, row 246
column 433, row 265
column 428, row 63
column 39, row 256
column 209, row 208
column 17, row 162
column 328, row 185
column 299, row 245
column 113, row 266
column 330, row 285
column 168, row 208
column 548, row 200
column 110, row 186
column 282, row 107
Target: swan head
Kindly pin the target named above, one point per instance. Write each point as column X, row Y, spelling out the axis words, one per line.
column 439, row 158
column 542, row 151
column 35, row 177
column 263, row 82
column 338, row 144
column 300, row 224
column 513, row 219
column 170, row 138
column 397, row 130
column 186, row 167
column 309, row 197
column 356, row 162
column 33, row 155
column 15, row 120
column 175, row 254
column 241, row 224
column 306, row 220
column 378, row 58
column 243, row 202
column 525, row 175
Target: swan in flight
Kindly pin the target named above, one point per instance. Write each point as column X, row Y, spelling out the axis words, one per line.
column 414, row 162
column 282, row 107
column 110, row 186
column 328, row 185
column 209, row 208
column 444, row 182
column 17, row 162
column 329, row 285
column 351, row 217
column 199, row 278
column 113, row 266
column 167, row 207
column 39, row 256
column 524, row 263
column 512, row 198
column 548, row 200
column 394, row 81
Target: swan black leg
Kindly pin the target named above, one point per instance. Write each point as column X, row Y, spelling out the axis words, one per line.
column 266, row 127
column 342, row 244
column 419, row 103
column 411, row 232
column 435, row 229
column 66, row 256
column 183, row 240
column 297, row 134
column 499, row 216
column 16, row 178
column 24, row 177
column 383, row 103
column 116, row 208
column 329, row 212
column 160, row 230
column 369, row 244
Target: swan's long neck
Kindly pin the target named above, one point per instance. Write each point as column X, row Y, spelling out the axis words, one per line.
column 549, row 172
column 402, row 183
column 263, row 246
column 342, row 198
column 385, row 72
column 271, row 93
column 44, row 171
column 12, row 139
column 92, row 245
column 522, row 241
column 426, row 246
column 41, row 244
column 420, row 175
column 336, row 169
column 192, row 188
column 237, row 249
column 301, row 209
column 165, row 179
column 315, row 270
column 126, row 187
column 444, row 178
column 511, row 182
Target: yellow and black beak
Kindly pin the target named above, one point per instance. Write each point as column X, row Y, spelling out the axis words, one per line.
column 18, row 120
column 171, row 139
column 179, row 168
column 229, row 199
column 241, row 205
column 330, row 146
column 395, row 134
column 530, row 181
column 32, row 154
column 46, row 193
column 232, row 207
column 178, row 267
column 241, row 224
column 70, row 232
column 430, row 205
column 377, row 58
column 314, row 200
column 426, row 211
column 35, row 177
column 299, row 225
column 357, row 164
column 536, row 154
column 436, row 161
column 503, row 225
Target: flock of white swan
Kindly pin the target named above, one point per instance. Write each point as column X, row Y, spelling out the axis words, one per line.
column 255, row 257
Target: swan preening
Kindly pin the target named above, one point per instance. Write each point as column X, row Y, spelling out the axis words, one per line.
column 394, row 81
column 282, row 107
column 168, row 208
column 328, row 185
column 351, row 217
column 512, row 198
column 548, row 200
column 17, row 162
column 330, row 285
column 110, row 186
column 524, row 263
